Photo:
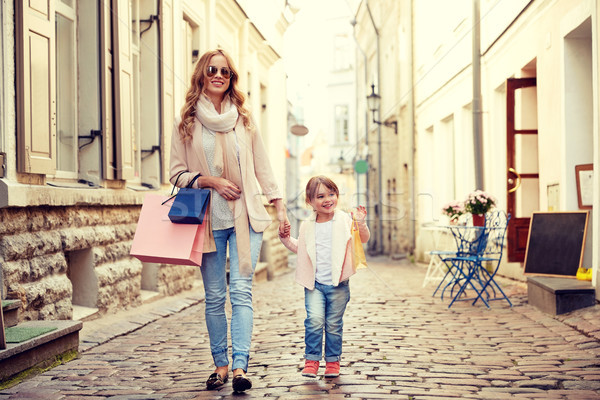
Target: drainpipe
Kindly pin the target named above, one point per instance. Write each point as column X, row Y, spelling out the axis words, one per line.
column 411, row 116
column 477, row 125
column 353, row 23
column 379, row 247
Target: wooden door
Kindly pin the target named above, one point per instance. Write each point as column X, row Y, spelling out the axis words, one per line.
column 522, row 161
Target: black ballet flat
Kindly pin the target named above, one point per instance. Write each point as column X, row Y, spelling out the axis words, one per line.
column 215, row 380
column 241, row 383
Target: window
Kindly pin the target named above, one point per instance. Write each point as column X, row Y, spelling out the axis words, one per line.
column 83, row 85
column 191, row 36
column 342, row 53
column 66, row 90
column 341, row 124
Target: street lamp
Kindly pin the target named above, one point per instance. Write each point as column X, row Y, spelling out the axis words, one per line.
column 373, row 102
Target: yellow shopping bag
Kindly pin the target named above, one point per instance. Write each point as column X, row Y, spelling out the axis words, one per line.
column 358, row 254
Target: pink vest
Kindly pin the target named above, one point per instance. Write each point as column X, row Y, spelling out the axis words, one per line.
column 341, row 251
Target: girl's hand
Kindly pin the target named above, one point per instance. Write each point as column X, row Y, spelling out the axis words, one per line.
column 284, row 228
column 360, row 214
column 226, row 188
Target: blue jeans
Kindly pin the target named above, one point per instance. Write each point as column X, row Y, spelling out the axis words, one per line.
column 325, row 306
column 240, row 295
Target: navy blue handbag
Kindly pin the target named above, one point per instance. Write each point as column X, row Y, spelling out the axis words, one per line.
column 189, row 205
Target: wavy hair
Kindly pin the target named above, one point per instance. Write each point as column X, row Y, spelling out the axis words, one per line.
column 237, row 97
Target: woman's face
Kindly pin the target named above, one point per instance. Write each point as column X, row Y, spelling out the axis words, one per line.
column 216, row 85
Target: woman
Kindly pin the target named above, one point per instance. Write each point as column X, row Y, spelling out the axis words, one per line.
column 217, row 139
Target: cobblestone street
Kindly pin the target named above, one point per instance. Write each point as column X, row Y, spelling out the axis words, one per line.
column 400, row 343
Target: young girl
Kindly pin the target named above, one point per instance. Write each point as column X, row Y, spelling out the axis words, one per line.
column 324, row 267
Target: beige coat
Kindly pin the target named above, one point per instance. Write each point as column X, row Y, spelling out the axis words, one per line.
column 254, row 165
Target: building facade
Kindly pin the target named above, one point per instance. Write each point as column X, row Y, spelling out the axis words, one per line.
column 90, row 90
column 384, row 58
column 539, row 96
column 321, row 68
column 538, row 71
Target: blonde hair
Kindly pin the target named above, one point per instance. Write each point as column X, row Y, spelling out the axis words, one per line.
column 237, row 97
column 313, row 185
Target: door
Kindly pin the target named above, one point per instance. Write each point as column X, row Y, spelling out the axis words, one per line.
column 522, row 162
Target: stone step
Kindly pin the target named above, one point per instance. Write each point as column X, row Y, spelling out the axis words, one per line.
column 40, row 351
column 10, row 311
column 83, row 314
column 557, row 295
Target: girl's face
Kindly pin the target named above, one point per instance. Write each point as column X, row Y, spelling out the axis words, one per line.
column 324, row 203
column 216, row 85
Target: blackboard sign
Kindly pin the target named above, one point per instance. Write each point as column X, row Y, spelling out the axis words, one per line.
column 555, row 244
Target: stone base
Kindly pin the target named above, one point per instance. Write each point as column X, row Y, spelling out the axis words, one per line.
column 556, row 295
column 41, row 350
column 11, row 312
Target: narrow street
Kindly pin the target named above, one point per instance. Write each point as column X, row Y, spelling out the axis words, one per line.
column 400, row 343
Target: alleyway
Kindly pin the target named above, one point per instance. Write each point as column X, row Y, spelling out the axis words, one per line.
column 400, row 343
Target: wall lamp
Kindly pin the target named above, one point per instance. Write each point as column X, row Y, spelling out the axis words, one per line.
column 373, row 102
column 341, row 162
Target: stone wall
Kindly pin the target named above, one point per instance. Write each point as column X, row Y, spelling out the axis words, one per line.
column 54, row 257
column 273, row 252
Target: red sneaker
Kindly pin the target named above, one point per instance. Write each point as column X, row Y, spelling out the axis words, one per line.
column 311, row 368
column 332, row 369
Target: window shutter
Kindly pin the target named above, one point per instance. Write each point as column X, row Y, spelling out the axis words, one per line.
column 36, row 86
column 123, row 89
column 106, row 90
column 167, row 47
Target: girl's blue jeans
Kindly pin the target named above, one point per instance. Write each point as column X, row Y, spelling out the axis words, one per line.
column 325, row 306
column 240, row 295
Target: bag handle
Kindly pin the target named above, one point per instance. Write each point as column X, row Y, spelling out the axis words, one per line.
column 189, row 185
column 355, row 224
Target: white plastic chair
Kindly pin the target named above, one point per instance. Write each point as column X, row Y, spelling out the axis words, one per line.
column 443, row 245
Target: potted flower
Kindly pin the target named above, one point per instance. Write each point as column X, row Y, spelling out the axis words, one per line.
column 453, row 210
column 478, row 203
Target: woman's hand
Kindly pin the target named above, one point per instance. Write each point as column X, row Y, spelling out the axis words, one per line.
column 227, row 189
column 284, row 224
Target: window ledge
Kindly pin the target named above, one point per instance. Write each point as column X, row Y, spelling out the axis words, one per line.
column 14, row 194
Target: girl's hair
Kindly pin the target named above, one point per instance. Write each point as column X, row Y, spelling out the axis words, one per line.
column 313, row 185
column 188, row 110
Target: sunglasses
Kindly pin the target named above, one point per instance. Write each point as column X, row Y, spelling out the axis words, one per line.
column 225, row 72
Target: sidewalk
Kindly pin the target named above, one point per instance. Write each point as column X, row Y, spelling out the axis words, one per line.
column 399, row 343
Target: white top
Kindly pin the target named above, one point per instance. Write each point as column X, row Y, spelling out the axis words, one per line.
column 221, row 215
column 323, row 236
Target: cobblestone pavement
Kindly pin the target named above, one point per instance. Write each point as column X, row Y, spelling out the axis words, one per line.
column 399, row 343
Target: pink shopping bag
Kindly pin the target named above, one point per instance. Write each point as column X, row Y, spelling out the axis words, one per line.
column 158, row 240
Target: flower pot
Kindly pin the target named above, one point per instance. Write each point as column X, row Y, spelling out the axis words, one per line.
column 478, row 219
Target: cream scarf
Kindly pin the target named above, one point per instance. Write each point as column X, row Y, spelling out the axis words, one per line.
column 226, row 159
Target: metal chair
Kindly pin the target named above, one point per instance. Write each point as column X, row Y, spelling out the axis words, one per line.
column 476, row 245
column 491, row 257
